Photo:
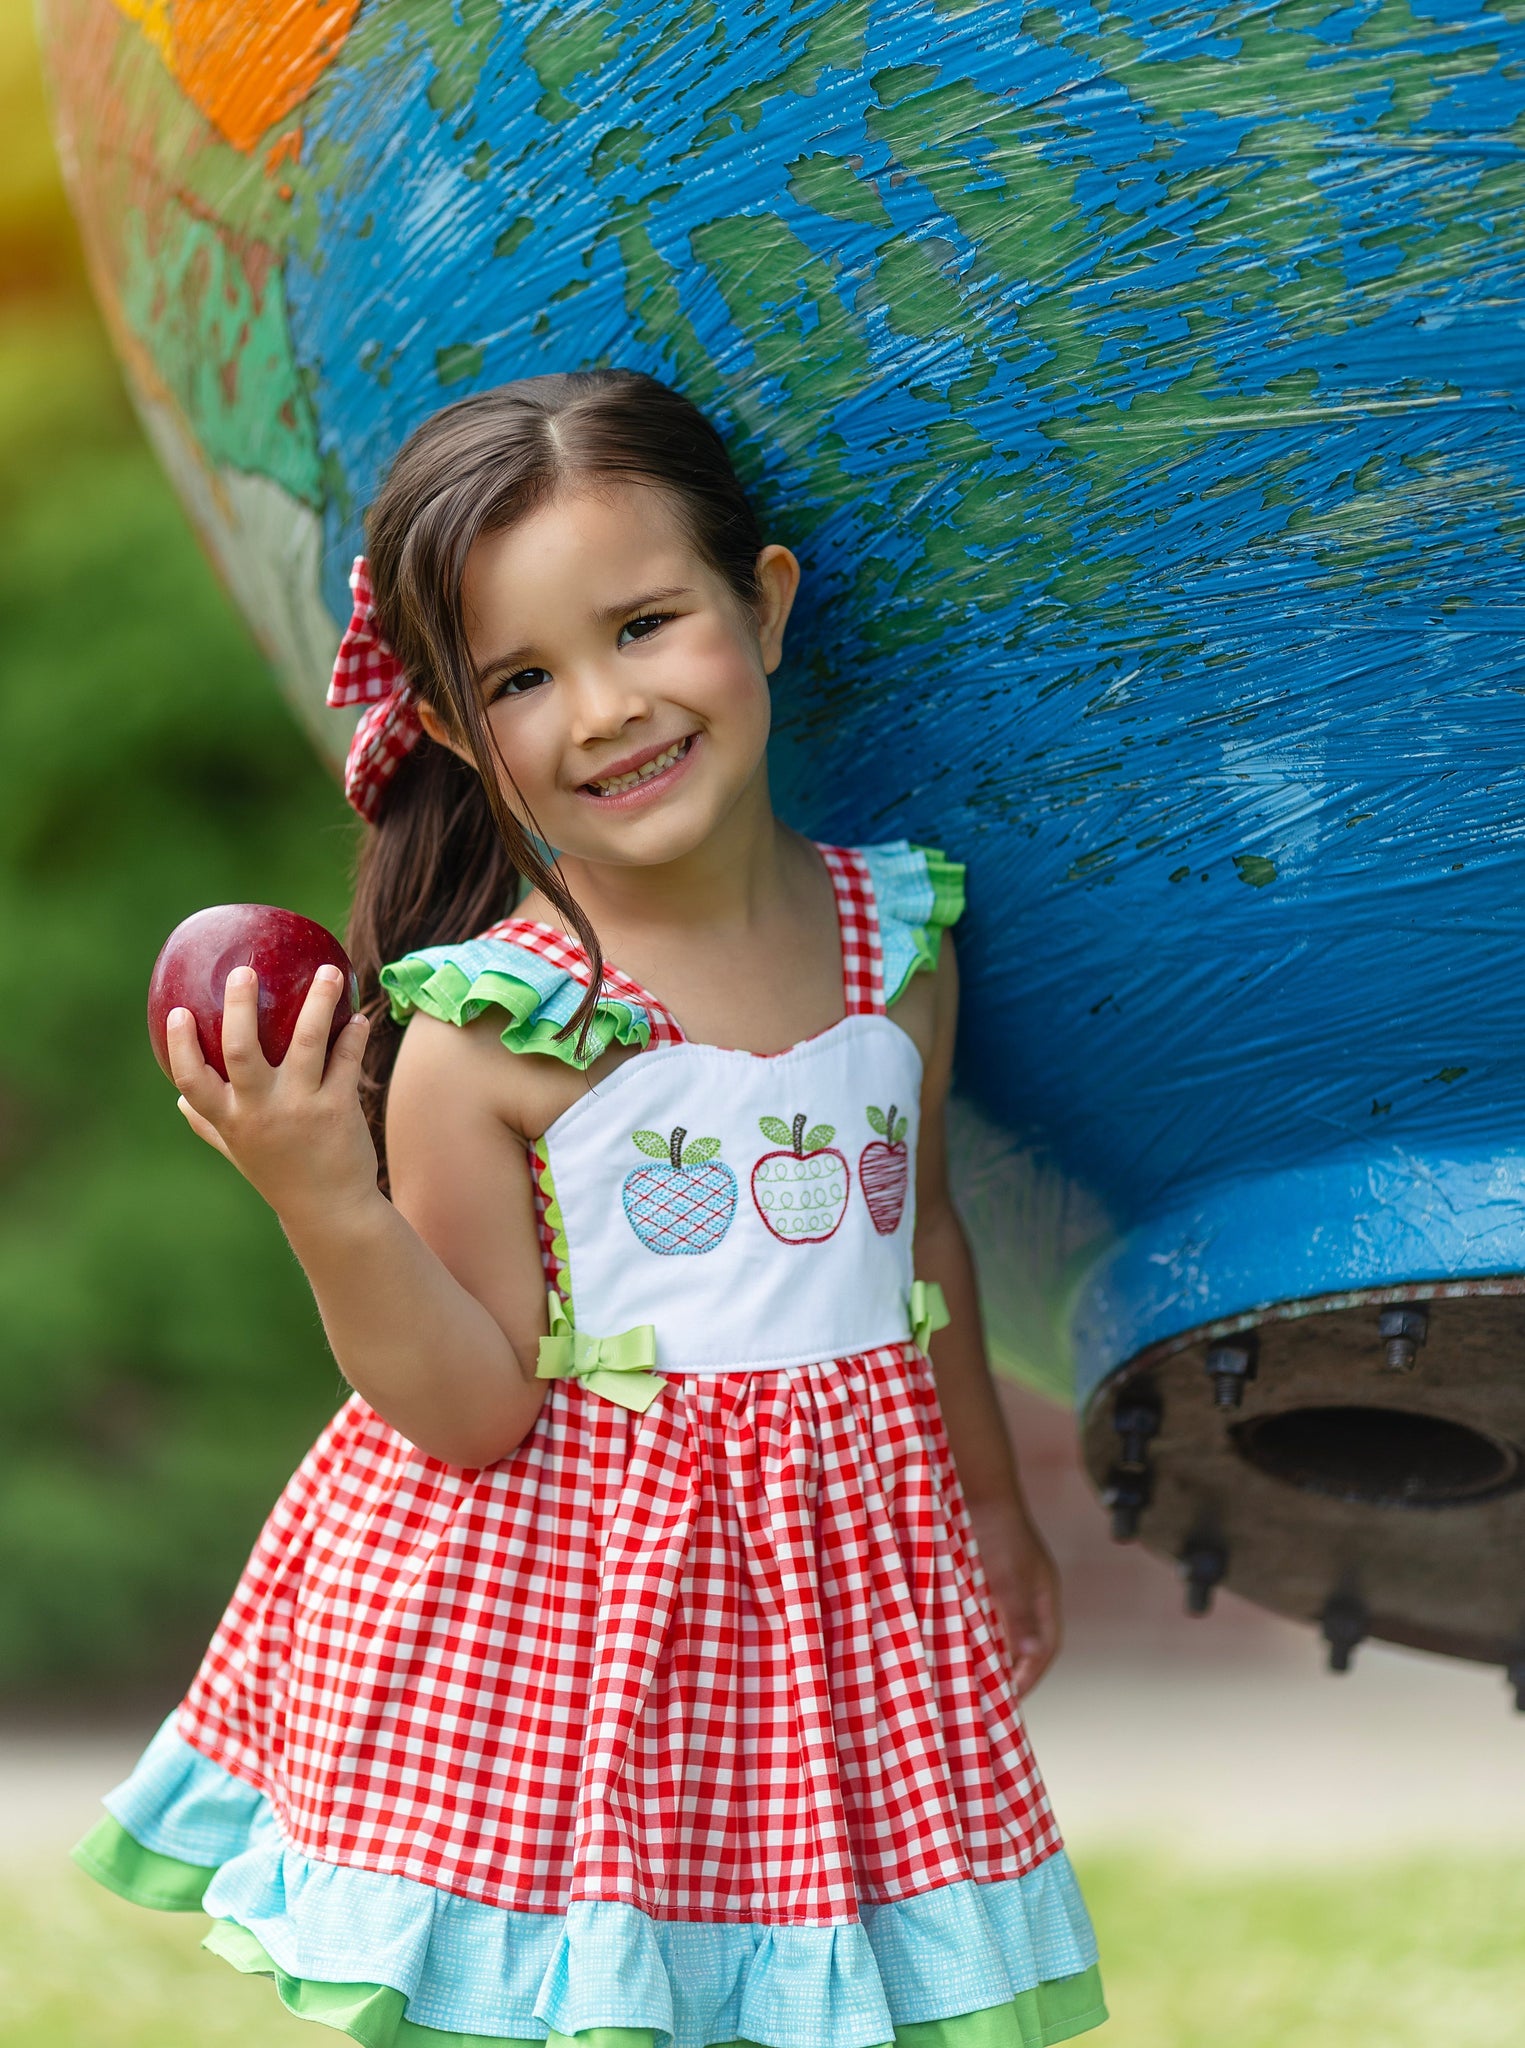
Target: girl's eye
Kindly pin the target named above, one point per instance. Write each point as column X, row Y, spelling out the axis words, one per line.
column 518, row 683
column 643, row 627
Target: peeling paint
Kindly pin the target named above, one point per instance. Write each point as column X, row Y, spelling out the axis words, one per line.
column 1254, row 869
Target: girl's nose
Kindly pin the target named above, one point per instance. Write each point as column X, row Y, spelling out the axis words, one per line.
column 605, row 701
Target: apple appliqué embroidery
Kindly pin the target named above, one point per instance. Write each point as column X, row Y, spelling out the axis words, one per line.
column 884, row 1170
column 686, row 1205
column 801, row 1190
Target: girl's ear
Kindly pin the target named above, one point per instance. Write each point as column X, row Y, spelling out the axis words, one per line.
column 441, row 734
column 778, row 578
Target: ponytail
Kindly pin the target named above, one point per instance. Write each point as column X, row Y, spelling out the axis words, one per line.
column 433, row 868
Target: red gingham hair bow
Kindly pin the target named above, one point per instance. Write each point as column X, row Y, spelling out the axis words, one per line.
column 366, row 671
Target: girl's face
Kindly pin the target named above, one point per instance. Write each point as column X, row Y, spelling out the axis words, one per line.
column 625, row 685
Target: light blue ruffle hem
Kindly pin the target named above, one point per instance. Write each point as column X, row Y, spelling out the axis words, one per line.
column 473, row 1969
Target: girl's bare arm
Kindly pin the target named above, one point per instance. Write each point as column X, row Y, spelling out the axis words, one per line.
column 433, row 1303
column 1017, row 1563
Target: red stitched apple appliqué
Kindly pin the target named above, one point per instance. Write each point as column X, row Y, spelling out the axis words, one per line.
column 801, row 1190
column 884, row 1172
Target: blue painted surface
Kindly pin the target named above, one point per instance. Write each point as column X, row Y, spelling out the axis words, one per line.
column 1142, row 391
column 1195, row 629
column 1361, row 1219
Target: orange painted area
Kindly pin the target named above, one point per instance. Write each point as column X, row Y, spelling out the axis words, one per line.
column 245, row 63
column 286, row 149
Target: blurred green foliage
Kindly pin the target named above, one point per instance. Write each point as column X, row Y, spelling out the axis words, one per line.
column 161, row 1363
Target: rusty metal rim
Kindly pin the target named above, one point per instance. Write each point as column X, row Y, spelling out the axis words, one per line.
column 1495, row 1287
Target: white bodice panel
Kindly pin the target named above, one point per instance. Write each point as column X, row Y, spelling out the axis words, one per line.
column 746, row 1247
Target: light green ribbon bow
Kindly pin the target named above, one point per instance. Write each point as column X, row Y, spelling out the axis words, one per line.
column 929, row 1312
column 619, row 1367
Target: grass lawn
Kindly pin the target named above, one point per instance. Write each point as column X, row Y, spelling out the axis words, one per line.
column 1370, row 1955
column 1373, row 1956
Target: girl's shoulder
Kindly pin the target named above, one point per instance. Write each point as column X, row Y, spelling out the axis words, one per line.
column 534, row 976
column 917, row 892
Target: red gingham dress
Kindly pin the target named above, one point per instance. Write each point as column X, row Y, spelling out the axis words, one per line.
column 732, row 1659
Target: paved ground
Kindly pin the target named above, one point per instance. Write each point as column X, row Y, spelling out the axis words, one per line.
column 1262, row 1758
column 1279, row 1761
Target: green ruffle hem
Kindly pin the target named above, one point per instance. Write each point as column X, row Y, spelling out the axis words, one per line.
column 373, row 2015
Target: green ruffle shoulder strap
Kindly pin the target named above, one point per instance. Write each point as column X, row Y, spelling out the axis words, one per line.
column 918, row 894
column 457, row 984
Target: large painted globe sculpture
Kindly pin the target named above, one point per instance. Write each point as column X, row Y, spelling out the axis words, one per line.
column 1143, row 392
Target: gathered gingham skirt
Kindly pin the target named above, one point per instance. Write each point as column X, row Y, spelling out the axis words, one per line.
column 730, row 1660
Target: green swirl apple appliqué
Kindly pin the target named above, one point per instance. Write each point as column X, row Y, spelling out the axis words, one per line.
column 686, row 1205
column 800, row 1191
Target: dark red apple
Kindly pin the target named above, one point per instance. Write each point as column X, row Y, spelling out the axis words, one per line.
column 284, row 950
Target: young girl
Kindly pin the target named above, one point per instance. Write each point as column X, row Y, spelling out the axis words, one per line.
column 620, row 1663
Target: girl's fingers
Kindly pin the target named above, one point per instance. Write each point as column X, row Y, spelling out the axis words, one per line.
column 203, row 1127
column 1025, row 1674
column 192, row 1075
column 309, row 1038
column 242, row 1053
column 1036, row 1641
column 1030, row 1658
column 349, row 1051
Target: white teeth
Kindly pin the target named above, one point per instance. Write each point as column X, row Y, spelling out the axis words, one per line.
column 619, row 783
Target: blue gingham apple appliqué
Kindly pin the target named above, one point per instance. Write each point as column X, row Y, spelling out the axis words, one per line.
column 684, row 1202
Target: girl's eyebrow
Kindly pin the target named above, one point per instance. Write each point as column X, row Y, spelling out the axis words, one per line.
column 611, row 612
column 606, row 615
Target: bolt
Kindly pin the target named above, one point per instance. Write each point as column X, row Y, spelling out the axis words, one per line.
column 1136, row 1420
column 1127, row 1495
column 1345, row 1623
column 1230, row 1367
column 1403, row 1331
column 1202, row 1567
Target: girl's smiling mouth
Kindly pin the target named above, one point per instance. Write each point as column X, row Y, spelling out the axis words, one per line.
column 643, row 775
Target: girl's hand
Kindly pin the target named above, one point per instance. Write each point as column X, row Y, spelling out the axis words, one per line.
column 295, row 1131
column 1024, row 1585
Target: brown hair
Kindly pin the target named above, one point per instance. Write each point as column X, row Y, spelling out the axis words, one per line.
column 446, row 853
